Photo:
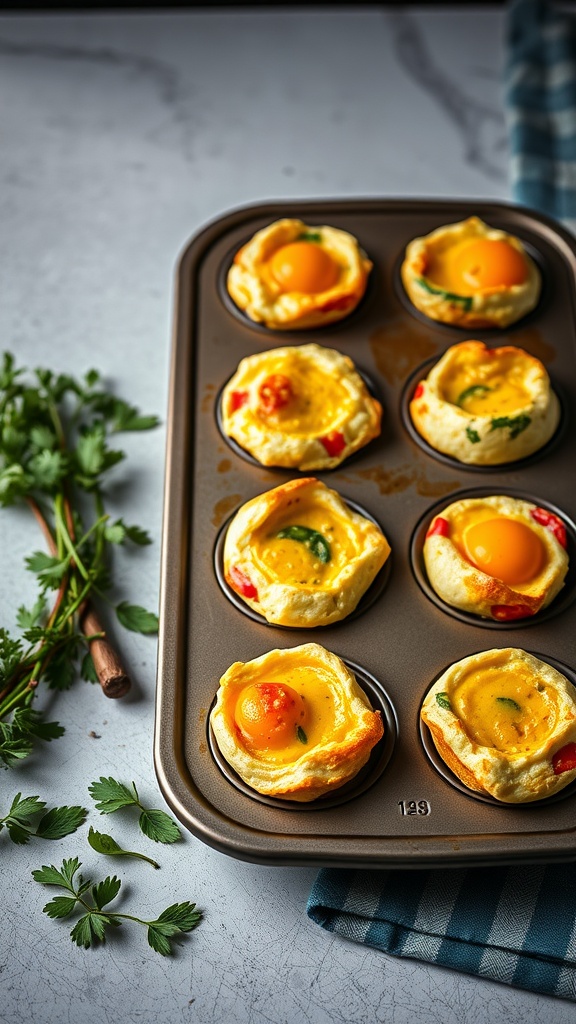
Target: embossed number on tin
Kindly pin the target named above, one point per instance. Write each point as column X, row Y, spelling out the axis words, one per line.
column 408, row 807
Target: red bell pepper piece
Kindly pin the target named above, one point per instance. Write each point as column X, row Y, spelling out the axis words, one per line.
column 564, row 760
column 333, row 442
column 275, row 392
column 508, row 612
column 419, row 391
column 241, row 583
column 551, row 522
column 440, row 528
column 237, row 400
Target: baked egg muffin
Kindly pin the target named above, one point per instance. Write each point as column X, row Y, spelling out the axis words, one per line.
column 498, row 557
column 301, row 407
column 294, row 723
column 301, row 557
column 485, row 406
column 505, row 724
column 291, row 276
column 471, row 275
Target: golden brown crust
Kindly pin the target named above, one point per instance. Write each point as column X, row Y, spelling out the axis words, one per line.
column 471, row 436
column 338, row 745
column 324, row 398
column 488, row 307
column 288, row 583
column 263, row 301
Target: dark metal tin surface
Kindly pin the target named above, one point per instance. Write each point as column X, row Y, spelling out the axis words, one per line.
column 410, row 815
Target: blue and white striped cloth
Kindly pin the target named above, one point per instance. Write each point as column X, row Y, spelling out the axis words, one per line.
column 515, row 925
column 540, row 95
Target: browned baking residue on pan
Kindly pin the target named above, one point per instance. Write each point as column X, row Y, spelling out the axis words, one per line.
column 531, row 339
column 208, row 398
column 393, row 481
column 398, row 349
column 224, row 466
column 223, row 507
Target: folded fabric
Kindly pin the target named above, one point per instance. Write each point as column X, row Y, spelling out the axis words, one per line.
column 540, row 96
column 515, row 925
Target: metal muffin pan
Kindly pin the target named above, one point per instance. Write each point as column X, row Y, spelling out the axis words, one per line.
column 402, row 811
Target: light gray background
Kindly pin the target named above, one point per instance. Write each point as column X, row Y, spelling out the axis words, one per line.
column 121, row 135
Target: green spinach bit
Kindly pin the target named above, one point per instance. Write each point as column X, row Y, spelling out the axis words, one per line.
column 472, row 435
column 474, row 391
column 309, row 236
column 443, row 701
column 509, row 702
column 516, row 424
column 464, row 300
column 314, row 541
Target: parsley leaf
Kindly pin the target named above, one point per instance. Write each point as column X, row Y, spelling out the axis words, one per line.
column 136, row 619
column 91, row 927
column 107, row 845
column 111, row 796
column 54, row 824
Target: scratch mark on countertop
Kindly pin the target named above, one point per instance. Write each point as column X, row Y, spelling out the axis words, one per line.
column 482, row 128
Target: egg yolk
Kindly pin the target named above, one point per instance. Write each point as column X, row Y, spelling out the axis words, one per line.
column 304, row 267
column 268, row 715
column 487, row 263
column 504, row 548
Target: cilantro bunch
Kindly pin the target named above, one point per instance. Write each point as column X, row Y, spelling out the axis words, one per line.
column 55, row 452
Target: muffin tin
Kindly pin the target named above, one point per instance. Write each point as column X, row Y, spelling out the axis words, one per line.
column 403, row 810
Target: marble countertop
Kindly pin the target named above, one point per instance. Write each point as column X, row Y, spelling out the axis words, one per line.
column 122, row 135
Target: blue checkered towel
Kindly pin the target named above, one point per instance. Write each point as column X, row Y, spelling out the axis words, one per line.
column 540, row 92
column 515, row 925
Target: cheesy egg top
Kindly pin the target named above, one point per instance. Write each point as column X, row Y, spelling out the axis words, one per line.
column 471, row 275
column 505, row 723
column 293, row 276
column 486, row 406
column 499, row 557
column 303, row 407
column 299, row 556
column 294, row 723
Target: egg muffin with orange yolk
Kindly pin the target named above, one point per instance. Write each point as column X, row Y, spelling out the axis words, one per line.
column 299, row 556
column 302, row 407
column 505, row 723
column 486, row 406
column 291, row 276
column 471, row 275
column 294, row 723
column 499, row 557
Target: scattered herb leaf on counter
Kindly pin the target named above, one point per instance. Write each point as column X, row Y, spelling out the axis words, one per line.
column 107, row 845
column 110, row 795
column 27, row 817
column 90, row 929
column 55, row 452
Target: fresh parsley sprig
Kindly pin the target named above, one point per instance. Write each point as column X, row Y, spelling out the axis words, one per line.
column 107, row 845
column 56, row 450
column 28, row 817
column 111, row 796
column 90, row 929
